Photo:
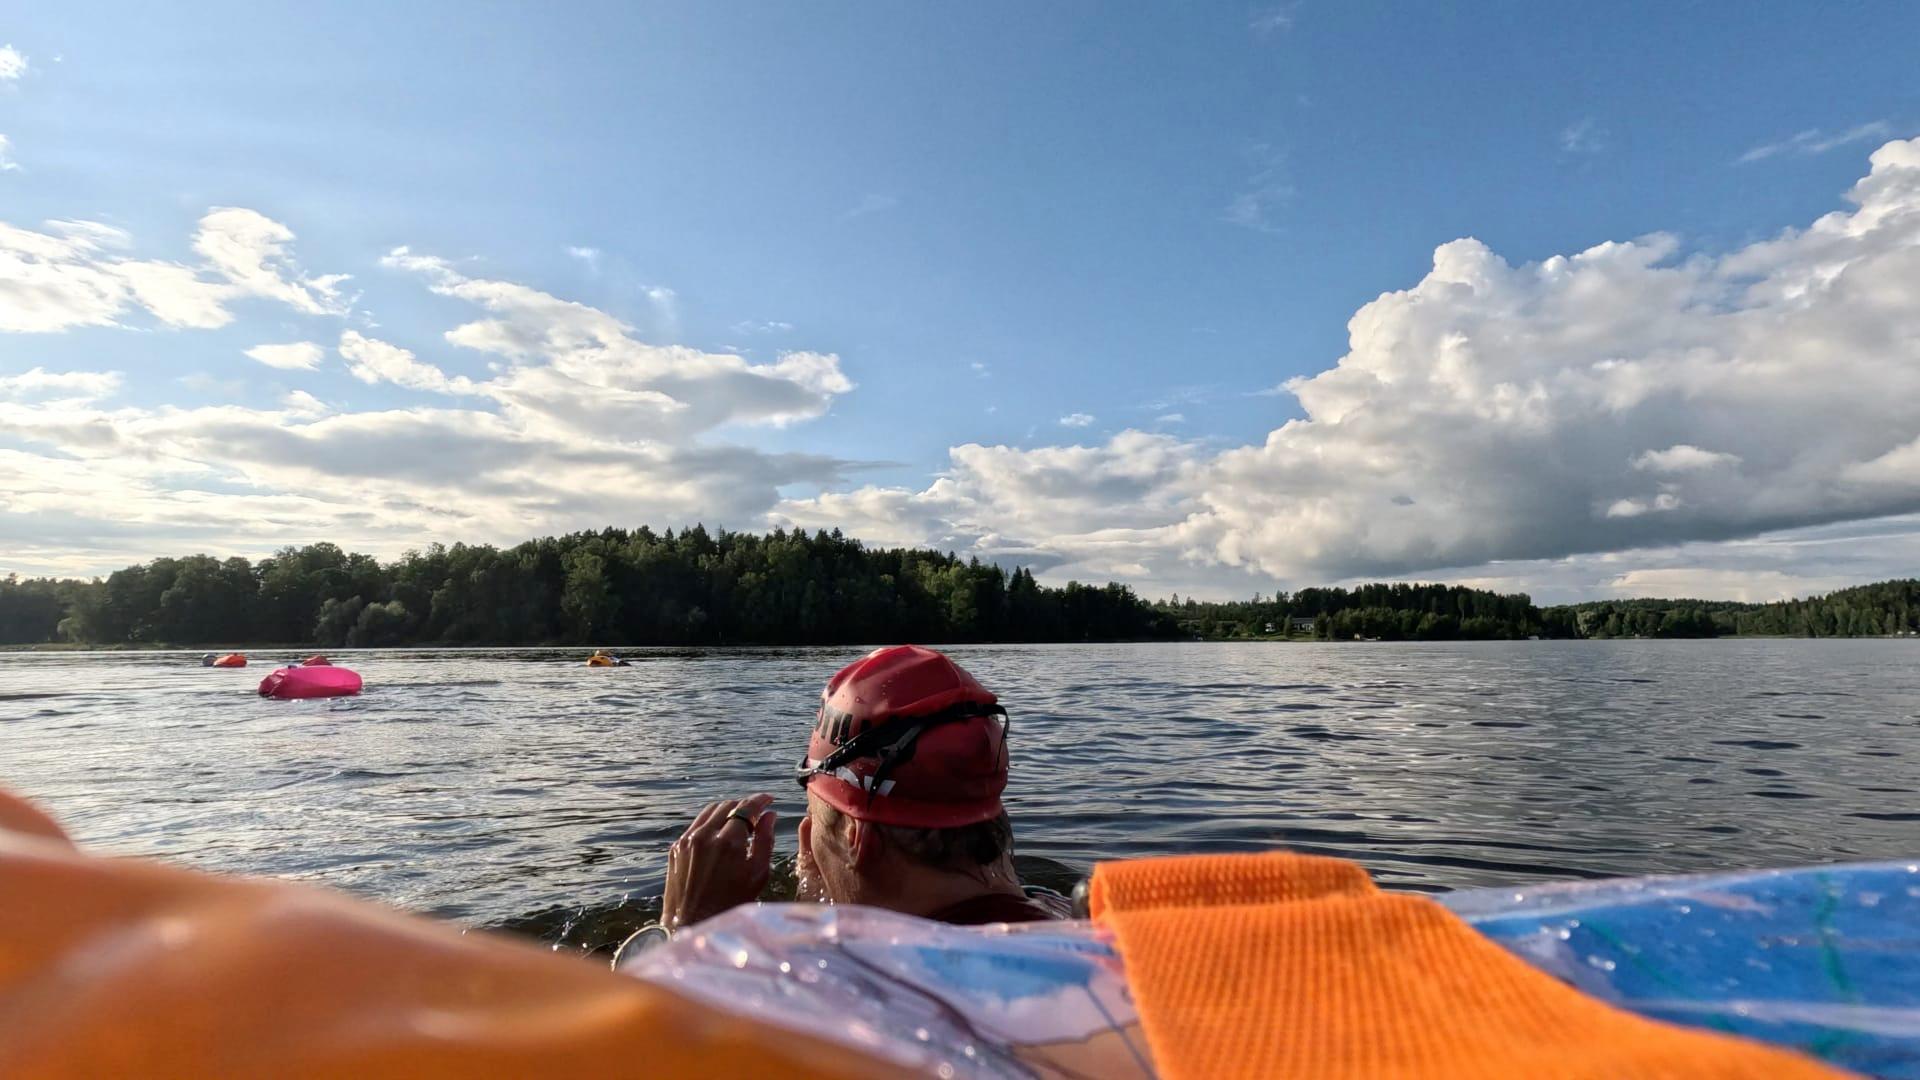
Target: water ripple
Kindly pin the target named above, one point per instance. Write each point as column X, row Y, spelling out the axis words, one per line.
column 517, row 787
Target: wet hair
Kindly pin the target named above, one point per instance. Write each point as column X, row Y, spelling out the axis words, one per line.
column 966, row 849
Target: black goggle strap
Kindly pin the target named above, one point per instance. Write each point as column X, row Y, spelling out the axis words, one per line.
column 892, row 742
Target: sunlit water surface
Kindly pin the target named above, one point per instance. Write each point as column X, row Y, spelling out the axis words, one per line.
column 520, row 788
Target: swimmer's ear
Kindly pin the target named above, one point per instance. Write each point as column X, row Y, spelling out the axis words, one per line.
column 863, row 841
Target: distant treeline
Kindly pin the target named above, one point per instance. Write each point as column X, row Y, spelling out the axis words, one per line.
column 613, row 587
column 1400, row 612
column 617, row 587
column 1886, row 607
column 1387, row 612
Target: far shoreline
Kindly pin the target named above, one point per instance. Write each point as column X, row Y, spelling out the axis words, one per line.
column 308, row 648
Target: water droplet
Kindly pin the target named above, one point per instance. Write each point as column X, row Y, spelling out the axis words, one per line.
column 1686, row 909
column 1602, row 963
column 740, row 958
column 968, row 1050
column 922, row 1034
column 786, row 968
column 1519, row 896
column 1564, row 934
column 945, row 1071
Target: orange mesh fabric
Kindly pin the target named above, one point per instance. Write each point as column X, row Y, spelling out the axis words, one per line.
column 1296, row 966
column 113, row 967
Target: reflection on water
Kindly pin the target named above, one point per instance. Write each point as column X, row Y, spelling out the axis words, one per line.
column 522, row 788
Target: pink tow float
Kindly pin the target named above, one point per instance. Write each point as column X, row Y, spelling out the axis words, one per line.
column 310, row 682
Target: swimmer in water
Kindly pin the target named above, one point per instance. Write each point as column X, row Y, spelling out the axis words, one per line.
column 903, row 774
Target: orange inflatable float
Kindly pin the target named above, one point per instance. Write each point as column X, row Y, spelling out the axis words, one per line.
column 232, row 659
column 120, row 967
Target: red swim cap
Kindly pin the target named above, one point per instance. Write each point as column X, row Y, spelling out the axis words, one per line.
column 905, row 736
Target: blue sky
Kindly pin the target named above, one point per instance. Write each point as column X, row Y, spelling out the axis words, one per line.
column 1028, row 230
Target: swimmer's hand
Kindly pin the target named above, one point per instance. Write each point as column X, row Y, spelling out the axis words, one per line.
column 723, row 860
column 808, row 888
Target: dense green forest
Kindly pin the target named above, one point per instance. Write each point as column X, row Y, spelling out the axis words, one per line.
column 1401, row 612
column 1387, row 612
column 620, row 587
column 612, row 587
column 1887, row 607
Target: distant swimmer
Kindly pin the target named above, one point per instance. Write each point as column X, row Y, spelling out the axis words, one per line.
column 601, row 659
column 903, row 774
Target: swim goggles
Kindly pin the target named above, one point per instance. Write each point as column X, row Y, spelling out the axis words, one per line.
column 892, row 741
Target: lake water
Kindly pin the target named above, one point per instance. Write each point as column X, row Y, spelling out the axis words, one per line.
column 520, row 788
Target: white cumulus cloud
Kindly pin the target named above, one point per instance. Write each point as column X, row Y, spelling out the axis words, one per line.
column 293, row 356
column 374, row 361
column 577, row 367
column 302, row 404
column 58, row 387
column 1683, row 458
column 73, row 274
column 249, row 249
column 1628, row 397
column 1629, row 417
column 13, row 63
column 578, row 424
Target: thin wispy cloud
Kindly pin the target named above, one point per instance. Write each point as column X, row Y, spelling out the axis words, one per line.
column 1816, row 141
column 870, row 204
column 666, row 309
column 1197, row 394
column 1583, row 137
column 202, row 383
column 1273, row 19
column 1265, row 191
column 766, row 326
column 7, row 164
column 1078, row 419
column 980, row 369
column 587, row 255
